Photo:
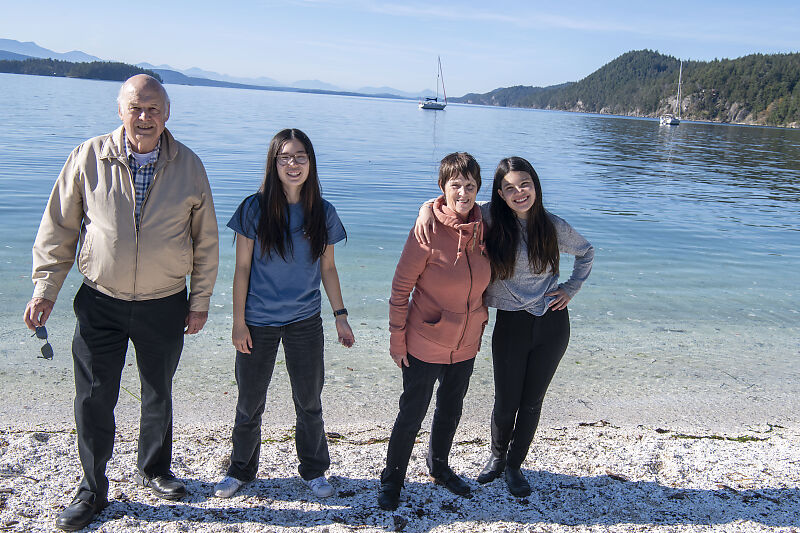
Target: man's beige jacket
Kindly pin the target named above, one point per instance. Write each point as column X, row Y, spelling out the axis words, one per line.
column 92, row 207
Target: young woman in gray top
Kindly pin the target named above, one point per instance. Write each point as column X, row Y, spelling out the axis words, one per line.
column 531, row 331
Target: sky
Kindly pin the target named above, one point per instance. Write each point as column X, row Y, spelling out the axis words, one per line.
column 357, row 43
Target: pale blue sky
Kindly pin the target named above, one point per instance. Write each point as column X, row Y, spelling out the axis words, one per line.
column 354, row 43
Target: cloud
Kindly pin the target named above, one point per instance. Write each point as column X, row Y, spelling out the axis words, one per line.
column 524, row 17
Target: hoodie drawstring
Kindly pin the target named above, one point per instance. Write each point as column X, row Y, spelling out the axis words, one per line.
column 476, row 228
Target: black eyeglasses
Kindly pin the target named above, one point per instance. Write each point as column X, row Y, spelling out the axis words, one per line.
column 47, row 350
column 284, row 159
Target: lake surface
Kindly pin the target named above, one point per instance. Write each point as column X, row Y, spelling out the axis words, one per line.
column 695, row 291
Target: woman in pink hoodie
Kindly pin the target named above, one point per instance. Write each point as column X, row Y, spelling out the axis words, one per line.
column 436, row 335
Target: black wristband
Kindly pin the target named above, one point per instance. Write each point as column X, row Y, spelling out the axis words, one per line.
column 342, row 311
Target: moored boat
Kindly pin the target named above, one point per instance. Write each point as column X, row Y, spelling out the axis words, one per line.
column 669, row 119
column 434, row 103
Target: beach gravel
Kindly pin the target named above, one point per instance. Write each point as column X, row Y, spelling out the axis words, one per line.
column 591, row 476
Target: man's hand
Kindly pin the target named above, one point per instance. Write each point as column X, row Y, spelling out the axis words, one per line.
column 37, row 311
column 195, row 321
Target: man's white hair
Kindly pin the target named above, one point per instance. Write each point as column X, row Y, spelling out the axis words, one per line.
column 150, row 81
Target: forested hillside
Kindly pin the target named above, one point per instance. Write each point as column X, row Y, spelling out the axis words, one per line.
column 96, row 70
column 755, row 89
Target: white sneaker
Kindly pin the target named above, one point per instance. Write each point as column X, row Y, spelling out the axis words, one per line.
column 227, row 487
column 320, row 487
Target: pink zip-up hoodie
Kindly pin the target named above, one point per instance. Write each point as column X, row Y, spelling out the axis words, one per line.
column 445, row 320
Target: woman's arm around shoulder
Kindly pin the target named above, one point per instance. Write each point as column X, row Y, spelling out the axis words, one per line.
column 330, row 280
column 425, row 225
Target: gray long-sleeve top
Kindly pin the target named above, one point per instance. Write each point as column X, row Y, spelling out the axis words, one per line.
column 526, row 290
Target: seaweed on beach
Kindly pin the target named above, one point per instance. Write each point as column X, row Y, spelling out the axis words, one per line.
column 742, row 438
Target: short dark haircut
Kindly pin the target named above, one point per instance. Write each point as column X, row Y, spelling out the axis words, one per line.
column 459, row 163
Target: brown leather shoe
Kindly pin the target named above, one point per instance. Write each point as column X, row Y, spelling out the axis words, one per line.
column 79, row 514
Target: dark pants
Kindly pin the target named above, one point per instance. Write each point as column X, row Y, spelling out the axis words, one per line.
column 105, row 325
column 303, row 346
column 419, row 378
column 526, row 350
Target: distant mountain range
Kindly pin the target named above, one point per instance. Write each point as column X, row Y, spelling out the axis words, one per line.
column 32, row 49
column 754, row 89
column 17, row 51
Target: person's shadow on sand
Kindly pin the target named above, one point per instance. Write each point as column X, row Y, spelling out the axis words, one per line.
column 556, row 499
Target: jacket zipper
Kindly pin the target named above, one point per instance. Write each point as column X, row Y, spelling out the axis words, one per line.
column 469, row 293
column 141, row 217
column 135, row 223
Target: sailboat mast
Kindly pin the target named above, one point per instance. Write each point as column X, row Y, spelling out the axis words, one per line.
column 678, row 99
column 437, row 86
column 441, row 75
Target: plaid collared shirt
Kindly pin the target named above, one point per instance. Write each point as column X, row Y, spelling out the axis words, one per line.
column 142, row 175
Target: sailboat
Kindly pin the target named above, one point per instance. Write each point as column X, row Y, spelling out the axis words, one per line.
column 669, row 119
column 434, row 103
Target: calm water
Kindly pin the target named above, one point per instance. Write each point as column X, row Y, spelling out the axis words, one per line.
column 696, row 227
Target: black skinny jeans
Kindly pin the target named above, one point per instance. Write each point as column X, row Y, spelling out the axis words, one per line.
column 303, row 345
column 105, row 324
column 526, row 350
column 419, row 379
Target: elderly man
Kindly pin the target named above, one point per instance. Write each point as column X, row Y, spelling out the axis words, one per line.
column 137, row 204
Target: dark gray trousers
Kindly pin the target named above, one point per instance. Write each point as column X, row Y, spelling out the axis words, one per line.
column 419, row 379
column 303, row 345
column 526, row 350
column 104, row 327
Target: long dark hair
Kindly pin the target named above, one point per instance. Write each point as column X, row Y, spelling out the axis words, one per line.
column 273, row 224
column 502, row 239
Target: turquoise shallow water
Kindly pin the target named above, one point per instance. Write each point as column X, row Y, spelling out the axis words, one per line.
column 694, row 292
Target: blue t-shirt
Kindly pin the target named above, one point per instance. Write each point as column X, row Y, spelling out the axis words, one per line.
column 282, row 292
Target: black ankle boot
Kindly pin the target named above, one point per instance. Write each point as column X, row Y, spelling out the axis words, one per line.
column 517, row 484
column 494, row 467
column 389, row 496
column 451, row 481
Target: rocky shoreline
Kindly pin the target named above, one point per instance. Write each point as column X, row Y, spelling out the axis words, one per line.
column 590, row 476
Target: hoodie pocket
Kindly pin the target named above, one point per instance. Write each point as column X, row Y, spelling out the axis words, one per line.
column 476, row 323
column 445, row 330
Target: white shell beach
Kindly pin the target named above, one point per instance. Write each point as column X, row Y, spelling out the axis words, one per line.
column 675, row 407
column 592, row 466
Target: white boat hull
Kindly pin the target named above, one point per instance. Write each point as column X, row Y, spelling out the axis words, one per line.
column 669, row 120
column 434, row 103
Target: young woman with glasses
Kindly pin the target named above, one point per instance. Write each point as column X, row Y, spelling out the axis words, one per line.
column 285, row 235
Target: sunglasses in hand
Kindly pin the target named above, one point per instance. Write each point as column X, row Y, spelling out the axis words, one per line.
column 47, row 349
